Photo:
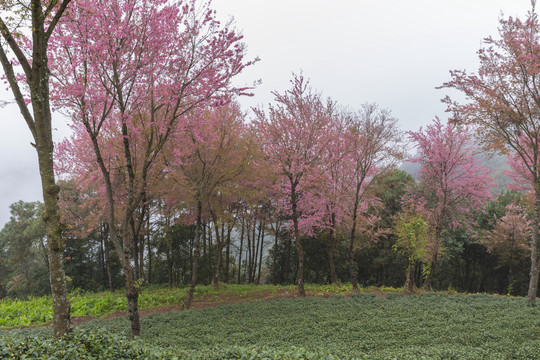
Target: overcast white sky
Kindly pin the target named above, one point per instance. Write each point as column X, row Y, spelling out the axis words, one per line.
column 392, row 52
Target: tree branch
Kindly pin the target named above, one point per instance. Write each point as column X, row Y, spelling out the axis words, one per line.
column 15, row 48
column 57, row 17
column 10, row 74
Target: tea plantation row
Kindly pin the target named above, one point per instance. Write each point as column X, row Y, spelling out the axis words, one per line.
column 430, row 326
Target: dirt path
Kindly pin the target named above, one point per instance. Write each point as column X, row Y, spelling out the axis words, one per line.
column 199, row 302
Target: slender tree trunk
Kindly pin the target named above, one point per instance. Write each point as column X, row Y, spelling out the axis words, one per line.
column 429, row 278
column 189, row 295
column 409, row 283
column 330, row 246
column 274, row 261
column 203, row 229
column 107, row 259
column 141, row 256
column 256, row 251
column 51, row 215
column 169, row 266
column 240, row 252
column 228, row 252
column 210, row 258
column 352, row 270
column 136, row 266
column 149, row 251
column 287, row 258
column 249, row 250
column 533, row 281
column 102, row 254
column 435, row 255
column 353, row 236
column 261, row 253
column 299, row 249
column 219, row 253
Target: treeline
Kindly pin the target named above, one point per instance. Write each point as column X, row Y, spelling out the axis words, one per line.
column 467, row 264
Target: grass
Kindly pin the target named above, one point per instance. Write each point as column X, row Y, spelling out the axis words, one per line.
column 38, row 310
column 365, row 326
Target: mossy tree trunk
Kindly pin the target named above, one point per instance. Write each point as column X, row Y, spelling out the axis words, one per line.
column 38, row 120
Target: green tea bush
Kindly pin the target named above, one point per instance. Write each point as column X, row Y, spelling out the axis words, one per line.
column 359, row 326
column 362, row 326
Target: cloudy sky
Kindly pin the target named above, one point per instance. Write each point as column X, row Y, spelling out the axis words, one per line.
column 392, row 52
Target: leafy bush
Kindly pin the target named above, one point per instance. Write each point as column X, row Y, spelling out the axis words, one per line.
column 80, row 345
column 364, row 326
column 360, row 326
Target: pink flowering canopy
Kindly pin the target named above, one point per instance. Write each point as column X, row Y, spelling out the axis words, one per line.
column 455, row 183
column 295, row 135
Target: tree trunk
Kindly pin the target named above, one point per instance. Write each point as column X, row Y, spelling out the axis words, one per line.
column 51, row 216
column 209, row 257
column 228, row 253
column 287, row 258
column 330, row 246
column 107, row 259
column 248, row 255
column 132, row 292
column 149, row 252
column 219, row 253
column 102, row 254
column 256, row 245
column 274, row 261
column 45, row 148
column 189, row 295
column 409, row 283
column 353, row 234
column 136, row 266
column 203, row 231
column 435, row 255
column 299, row 249
column 261, row 254
column 37, row 79
column 533, row 280
column 240, row 252
column 429, row 278
column 141, row 257
column 169, row 266
column 352, row 271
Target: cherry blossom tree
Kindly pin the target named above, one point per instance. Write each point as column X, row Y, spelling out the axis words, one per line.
column 336, row 193
column 455, row 184
column 127, row 73
column 509, row 239
column 25, row 64
column 294, row 136
column 503, row 102
column 216, row 152
column 375, row 145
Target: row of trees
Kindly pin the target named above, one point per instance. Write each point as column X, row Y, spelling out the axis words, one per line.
column 158, row 139
column 496, row 261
